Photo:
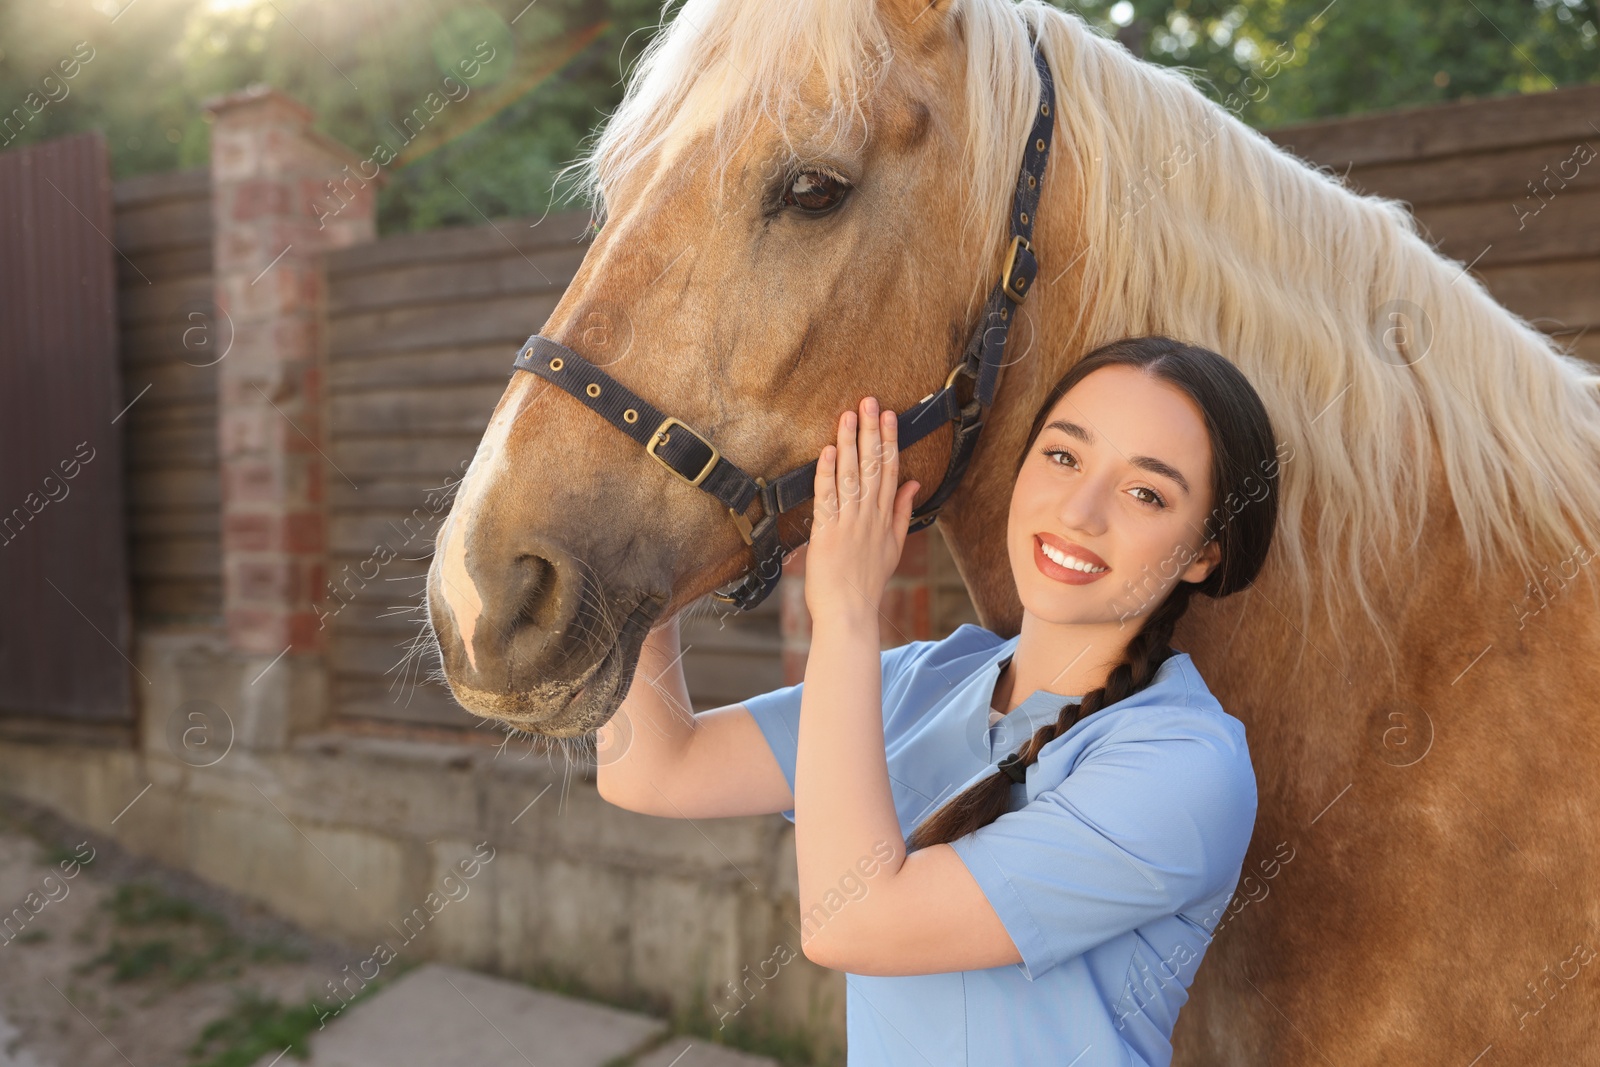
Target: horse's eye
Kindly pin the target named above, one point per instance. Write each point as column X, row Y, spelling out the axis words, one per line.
column 815, row 191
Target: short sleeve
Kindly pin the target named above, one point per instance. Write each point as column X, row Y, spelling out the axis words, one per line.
column 778, row 712
column 1140, row 830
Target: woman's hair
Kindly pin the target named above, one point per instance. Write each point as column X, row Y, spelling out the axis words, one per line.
column 1244, row 482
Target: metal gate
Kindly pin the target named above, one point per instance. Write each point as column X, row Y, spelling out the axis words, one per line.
column 65, row 624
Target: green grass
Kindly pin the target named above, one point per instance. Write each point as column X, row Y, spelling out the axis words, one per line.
column 159, row 935
column 140, row 904
column 130, row 961
column 54, row 854
column 256, row 1026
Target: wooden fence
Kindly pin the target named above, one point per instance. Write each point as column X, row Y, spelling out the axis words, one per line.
column 170, row 344
column 421, row 332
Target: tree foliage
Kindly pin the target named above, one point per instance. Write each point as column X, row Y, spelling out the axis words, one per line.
column 1352, row 56
column 379, row 73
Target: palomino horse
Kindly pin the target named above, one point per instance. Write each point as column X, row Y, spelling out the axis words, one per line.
column 804, row 204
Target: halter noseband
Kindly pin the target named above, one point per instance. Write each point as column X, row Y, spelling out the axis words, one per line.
column 677, row 446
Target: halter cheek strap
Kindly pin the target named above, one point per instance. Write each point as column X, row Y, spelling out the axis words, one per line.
column 690, row 456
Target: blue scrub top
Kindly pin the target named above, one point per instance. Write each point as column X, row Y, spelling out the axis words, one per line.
column 1116, row 860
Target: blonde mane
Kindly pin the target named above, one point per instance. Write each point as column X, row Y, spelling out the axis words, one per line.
column 1196, row 226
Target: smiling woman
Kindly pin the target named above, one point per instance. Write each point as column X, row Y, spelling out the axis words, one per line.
column 1115, row 496
column 1108, row 845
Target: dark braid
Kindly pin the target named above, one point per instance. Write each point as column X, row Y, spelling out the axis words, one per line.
column 986, row 801
column 1244, row 470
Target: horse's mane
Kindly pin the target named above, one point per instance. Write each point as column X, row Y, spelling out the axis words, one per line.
column 1194, row 225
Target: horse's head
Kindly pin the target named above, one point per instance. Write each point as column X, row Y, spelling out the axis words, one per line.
column 794, row 218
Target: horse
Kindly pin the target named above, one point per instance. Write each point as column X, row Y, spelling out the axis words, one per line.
column 801, row 204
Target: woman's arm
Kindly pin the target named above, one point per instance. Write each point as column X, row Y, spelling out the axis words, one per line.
column 657, row 757
column 918, row 914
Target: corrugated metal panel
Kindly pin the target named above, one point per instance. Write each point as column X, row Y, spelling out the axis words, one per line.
column 64, row 617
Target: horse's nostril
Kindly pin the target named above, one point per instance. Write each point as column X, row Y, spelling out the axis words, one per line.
column 530, row 584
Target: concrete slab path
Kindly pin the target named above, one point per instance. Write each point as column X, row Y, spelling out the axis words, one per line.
column 692, row 1052
column 442, row 1016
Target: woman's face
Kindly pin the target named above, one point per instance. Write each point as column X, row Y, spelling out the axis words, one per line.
column 1119, row 482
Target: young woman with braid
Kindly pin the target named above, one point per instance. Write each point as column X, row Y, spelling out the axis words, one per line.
column 1018, row 849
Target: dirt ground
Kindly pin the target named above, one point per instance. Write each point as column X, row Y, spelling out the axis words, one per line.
column 108, row 960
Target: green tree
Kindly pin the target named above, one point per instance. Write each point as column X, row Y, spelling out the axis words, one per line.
column 373, row 71
column 1312, row 59
column 366, row 67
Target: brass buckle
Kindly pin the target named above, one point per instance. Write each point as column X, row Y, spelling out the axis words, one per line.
column 1017, row 241
column 746, row 530
column 661, row 435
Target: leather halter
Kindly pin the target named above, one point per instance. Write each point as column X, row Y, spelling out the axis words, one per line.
column 687, row 454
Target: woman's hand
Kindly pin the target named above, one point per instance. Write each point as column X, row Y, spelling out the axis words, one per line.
column 860, row 517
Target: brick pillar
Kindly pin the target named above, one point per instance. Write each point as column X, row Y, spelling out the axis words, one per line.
column 282, row 194
column 906, row 613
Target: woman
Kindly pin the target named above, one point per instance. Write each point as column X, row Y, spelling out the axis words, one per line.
column 1018, row 849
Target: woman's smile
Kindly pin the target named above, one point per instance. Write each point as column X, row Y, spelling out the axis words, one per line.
column 1065, row 561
